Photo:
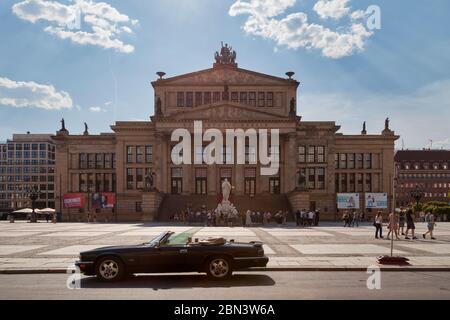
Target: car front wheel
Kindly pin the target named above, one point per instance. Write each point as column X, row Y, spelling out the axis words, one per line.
column 219, row 268
column 110, row 269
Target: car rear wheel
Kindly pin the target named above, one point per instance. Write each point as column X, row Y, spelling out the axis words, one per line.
column 219, row 268
column 110, row 269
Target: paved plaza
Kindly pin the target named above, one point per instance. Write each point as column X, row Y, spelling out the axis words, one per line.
column 54, row 247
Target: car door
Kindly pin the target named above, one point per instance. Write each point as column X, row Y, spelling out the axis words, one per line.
column 174, row 258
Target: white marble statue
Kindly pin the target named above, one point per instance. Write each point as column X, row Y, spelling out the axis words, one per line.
column 226, row 190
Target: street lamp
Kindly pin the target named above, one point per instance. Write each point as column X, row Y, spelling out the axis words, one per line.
column 417, row 194
column 33, row 195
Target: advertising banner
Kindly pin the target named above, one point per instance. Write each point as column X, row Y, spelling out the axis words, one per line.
column 74, row 200
column 376, row 201
column 348, row 200
column 103, row 200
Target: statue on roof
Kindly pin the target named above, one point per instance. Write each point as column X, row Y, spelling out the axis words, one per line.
column 227, row 56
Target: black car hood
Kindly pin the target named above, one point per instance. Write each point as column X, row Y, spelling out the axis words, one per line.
column 111, row 249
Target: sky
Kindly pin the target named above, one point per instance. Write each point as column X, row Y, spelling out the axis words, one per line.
column 93, row 61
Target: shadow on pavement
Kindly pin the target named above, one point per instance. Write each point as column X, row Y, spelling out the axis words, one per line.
column 186, row 281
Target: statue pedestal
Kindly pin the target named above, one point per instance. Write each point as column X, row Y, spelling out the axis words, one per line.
column 299, row 199
column 151, row 199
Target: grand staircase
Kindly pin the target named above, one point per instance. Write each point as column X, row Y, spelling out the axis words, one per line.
column 174, row 204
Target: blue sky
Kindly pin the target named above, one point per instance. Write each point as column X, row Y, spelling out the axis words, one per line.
column 401, row 71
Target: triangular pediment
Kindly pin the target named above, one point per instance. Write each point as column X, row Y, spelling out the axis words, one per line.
column 221, row 75
column 228, row 111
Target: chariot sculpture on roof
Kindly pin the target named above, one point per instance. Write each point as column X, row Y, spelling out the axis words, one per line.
column 227, row 56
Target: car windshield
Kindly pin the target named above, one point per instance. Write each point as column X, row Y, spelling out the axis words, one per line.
column 179, row 239
column 156, row 240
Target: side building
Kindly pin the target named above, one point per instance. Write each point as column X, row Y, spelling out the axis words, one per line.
column 429, row 170
column 27, row 160
column 316, row 161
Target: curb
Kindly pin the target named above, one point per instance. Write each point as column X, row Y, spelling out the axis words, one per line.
column 271, row 269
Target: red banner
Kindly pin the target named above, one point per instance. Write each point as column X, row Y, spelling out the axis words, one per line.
column 74, row 200
column 103, row 200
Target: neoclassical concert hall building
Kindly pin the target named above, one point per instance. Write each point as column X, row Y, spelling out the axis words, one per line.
column 132, row 165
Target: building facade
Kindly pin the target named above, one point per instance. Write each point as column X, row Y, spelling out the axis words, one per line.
column 315, row 161
column 427, row 169
column 27, row 160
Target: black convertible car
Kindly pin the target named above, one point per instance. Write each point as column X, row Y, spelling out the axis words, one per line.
column 173, row 253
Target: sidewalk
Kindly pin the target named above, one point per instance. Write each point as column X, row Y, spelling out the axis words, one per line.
column 49, row 248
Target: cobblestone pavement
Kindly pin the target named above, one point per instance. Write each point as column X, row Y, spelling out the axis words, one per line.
column 46, row 246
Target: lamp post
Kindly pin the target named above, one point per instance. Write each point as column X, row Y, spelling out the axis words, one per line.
column 417, row 194
column 33, row 195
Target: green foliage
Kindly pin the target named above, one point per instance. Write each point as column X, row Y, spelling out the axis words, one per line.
column 437, row 208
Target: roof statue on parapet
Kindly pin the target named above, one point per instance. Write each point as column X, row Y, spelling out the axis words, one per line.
column 227, row 56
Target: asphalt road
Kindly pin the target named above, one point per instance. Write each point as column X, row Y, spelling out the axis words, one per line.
column 244, row 285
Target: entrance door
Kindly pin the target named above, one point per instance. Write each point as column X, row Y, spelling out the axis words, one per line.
column 250, row 186
column 201, row 186
column 177, row 185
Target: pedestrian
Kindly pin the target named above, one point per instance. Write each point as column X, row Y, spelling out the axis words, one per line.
column 393, row 225
column 378, row 223
column 248, row 218
column 345, row 218
column 401, row 222
column 356, row 218
column 297, row 217
column 429, row 218
column 410, row 225
column 47, row 217
column 317, row 217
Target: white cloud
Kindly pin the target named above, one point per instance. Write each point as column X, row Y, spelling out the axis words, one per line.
column 21, row 94
column 103, row 23
column 335, row 9
column 295, row 31
column 442, row 144
column 417, row 116
column 96, row 109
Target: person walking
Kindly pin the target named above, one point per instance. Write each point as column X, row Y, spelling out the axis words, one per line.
column 297, row 217
column 345, row 218
column 429, row 218
column 248, row 218
column 317, row 217
column 393, row 225
column 410, row 225
column 401, row 222
column 378, row 223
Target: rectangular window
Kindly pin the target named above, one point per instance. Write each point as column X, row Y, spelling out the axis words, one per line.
column 311, row 154
column 252, row 98
column 91, row 160
column 130, row 179
column 180, row 99
column 234, row 97
column 320, row 154
column 302, row 154
column 177, row 181
column 113, row 160
column 351, row 160
column 82, row 183
column 129, row 154
column 107, row 157
column 148, row 154
column 106, row 183
column 139, row 154
column 336, row 183
column 336, row 160
column 138, row 206
column 320, row 178
column 139, row 178
column 359, row 180
column 99, row 161
column 343, row 161
column 274, row 185
column 83, row 161
column 189, row 99
column 198, row 99
column 368, row 160
column 311, row 178
column 250, row 155
column 98, row 183
column 216, row 97
column 359, row 161
column 243, row 97
column 270, row 99
column 261, row 99
column 201, row 181
column 352, row 186
column 344, row 182
column 368, row 182
column 207, row 98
